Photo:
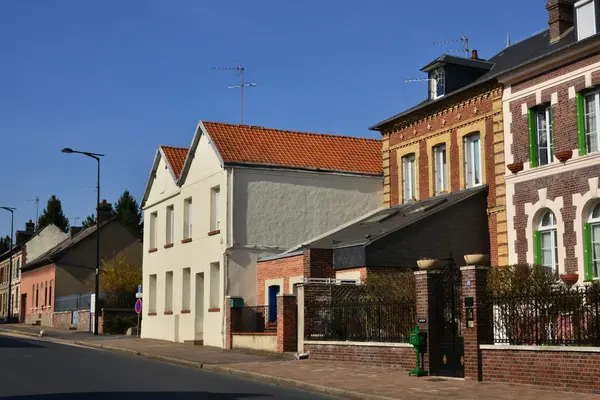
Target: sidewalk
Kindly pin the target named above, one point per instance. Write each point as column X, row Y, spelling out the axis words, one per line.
column 343, row 380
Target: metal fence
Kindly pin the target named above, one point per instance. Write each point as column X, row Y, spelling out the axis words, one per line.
column 369, row 322
column 255, row 319
column 82, row 301
column 73, row 302
column 558, row 316
column 117, row 300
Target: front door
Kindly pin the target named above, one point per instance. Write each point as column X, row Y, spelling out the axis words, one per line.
column 199, row 308
column 273, row 292
column 23, row 308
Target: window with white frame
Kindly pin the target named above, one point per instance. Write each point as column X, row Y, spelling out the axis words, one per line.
column 409, row 178
column 472, row 161
column 591, row 122
column 592, row 244
column 544, row 141
column 170, row 224
column 215, row 214
column 546, row 242
column 153, row 223
column 585, row 11
column 437, row 83
column 187, row 218
column 440, row 170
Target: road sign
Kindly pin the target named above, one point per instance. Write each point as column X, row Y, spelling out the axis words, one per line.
column 138, row 295
column 139, row 289
column 138, row 306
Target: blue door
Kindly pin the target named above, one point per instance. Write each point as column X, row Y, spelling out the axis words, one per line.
column 273, row 292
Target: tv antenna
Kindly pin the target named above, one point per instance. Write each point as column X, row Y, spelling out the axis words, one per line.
column 36, row 200
column 75, row 220
column 463, row 41
column 240, row 71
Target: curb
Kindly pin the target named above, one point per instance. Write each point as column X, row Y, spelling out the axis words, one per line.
column 273, row 380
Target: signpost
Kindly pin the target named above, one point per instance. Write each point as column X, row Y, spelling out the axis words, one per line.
column 92, row 310
column 138, row 310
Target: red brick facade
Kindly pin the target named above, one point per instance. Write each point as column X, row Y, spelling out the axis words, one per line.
column 384, row 356
column 285, row 268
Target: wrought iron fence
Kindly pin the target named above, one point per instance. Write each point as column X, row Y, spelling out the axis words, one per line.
column 82, row 301
column 255, row 319
column 368, row 322
column 557, row 316
column 73, row 302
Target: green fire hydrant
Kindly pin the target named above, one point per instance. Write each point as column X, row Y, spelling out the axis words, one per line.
column 419, row 340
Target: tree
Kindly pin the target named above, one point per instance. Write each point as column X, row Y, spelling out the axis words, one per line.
column 120, row 276
column 4, row 244
column 128, row 212
column 90, row 220
column 53, row 214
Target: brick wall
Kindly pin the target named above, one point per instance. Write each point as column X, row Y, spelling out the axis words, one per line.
column 279, row 268
column 62, row 320
column 287, row 323
column 569, row 370
column 369, row 354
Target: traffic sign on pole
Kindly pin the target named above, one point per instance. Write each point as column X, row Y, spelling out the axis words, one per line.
column 138, row 306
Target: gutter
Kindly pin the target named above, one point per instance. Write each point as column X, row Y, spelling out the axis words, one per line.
column 309, row 169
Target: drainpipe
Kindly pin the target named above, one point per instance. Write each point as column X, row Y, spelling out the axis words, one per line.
column 228, row 247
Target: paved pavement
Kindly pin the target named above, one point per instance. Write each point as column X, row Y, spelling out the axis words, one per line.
column 34, row 369
column 343, row 380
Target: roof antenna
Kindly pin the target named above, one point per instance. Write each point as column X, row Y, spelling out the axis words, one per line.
column 242, row 85
column 508, row 39
column 464, row 44
column 37, row 210
column 74, row 219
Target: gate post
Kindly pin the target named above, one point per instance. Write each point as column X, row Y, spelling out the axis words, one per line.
column 425, row 282
column 476, row 317
column 287, row 320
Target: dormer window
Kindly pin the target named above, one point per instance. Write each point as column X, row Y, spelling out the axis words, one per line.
column 437, row 83
column 585, row 11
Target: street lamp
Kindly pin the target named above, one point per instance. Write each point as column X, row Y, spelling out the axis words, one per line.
column 96, row 157
column 10, row 254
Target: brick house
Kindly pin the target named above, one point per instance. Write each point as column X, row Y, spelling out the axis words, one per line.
column 551, row 107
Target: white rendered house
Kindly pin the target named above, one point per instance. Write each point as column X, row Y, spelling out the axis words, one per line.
column 238, row 193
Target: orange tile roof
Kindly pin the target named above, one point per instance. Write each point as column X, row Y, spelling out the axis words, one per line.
column 258, row 145
column 176, row 157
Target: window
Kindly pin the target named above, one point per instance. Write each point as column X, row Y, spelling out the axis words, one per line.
column 18, row 267
column 541, row 136
column 545, row 240
column 586, row 19
column 591, row 236
column 33, row 296
column 588, row 109
column 409, row 178
column 16, row 303
column 170, row 223
column 214, row 285
column 187, row 218
column 185, row 289
column 153, row 220
column 50, row 295
column 472, row 161
column 152, row 294
column 440, row 169
column 45, row 293
column 215, row 218
column 37, row 296
column 169, row 291
column 437, row 83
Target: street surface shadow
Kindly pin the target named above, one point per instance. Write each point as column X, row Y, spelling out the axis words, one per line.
column 141, row 395
column 6, row 342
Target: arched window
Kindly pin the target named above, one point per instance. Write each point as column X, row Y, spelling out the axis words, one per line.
column 546, row 242
column 591, row 235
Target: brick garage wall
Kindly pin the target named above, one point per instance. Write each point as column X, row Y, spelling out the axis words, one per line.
column 279, row 268
column 571, row 370
column 372, row 355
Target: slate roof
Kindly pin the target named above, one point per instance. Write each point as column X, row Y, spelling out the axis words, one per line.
column 176, row 158
column 467, row 62
column 519, row 54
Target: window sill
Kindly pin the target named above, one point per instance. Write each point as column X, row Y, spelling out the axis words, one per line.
column 215, row 232
column 214, row 310
column 186, row 311
column 152, row 314
column 168, row 313
column 186, row 240
column 168, row 245
column 153, row 250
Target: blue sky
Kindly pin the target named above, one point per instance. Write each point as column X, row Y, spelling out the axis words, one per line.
column 121, row 77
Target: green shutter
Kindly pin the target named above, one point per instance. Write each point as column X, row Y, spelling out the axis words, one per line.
column 537, row 248
column 532, row 140
column 551, row 134
column 587, row 257
column 581, row 125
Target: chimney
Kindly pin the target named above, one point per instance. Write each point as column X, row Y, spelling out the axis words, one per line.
column 560, row 13
column 29, row 226
column 74, row 230
column 105, row 211
column 474, row 55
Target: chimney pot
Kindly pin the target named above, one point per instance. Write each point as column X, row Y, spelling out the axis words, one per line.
column 74, row 230
column 474, row 55
column 29, row 226
column 560, row 17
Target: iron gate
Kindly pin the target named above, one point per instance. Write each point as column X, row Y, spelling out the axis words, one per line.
column 449, row 357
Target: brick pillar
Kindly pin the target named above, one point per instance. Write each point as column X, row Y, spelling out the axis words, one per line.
column 287, row 320
column 426, row 310
column 474, row 281
column 232, row 318
column 318, row 263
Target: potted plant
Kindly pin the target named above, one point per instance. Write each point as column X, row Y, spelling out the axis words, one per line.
column 516, row 167
column 426, row 263
column 477, row 259
column 563, row 156
column 569, row 279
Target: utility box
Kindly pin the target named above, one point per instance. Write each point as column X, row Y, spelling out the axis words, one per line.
column 236, row 302
column 418, row 340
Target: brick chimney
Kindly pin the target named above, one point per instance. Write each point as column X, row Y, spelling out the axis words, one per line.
column 560, row 13
column 474, row 55
column 29, row 226
column 105, row 211
column 74, row 230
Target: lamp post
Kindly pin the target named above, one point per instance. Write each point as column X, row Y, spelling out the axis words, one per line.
column 10, row 254
column 96, row 157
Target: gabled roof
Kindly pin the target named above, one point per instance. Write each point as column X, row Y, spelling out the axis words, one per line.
column 16, row 247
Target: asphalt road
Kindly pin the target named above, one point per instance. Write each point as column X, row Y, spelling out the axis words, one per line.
column 34, row 369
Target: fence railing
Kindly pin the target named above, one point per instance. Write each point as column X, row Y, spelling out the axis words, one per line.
column 117, row 300
column 558, row 317
column 255, row 319
column 73, row 302
column 369, row 322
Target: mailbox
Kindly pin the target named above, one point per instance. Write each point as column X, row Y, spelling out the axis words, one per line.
column 470, row 312
column 419, row 341
column 236, row 302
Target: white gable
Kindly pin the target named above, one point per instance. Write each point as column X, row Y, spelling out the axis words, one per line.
column 161, row 182
column 205, row 161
